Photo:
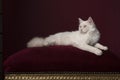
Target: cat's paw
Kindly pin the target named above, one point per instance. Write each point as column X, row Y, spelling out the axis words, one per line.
column 98, row 52
column 105, row 48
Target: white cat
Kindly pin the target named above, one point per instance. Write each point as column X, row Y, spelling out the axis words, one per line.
column 85, row 38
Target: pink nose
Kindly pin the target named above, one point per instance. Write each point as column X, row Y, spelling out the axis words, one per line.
column 84, row 26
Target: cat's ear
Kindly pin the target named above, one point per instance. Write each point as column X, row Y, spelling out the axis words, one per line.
column 80, row 20
column 90, row 20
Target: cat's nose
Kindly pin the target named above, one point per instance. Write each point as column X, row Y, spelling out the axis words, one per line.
column 84, row 26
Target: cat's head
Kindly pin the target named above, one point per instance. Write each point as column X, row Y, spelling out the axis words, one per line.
column 86, row 26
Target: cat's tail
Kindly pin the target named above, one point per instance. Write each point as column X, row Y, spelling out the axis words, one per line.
column 36, row 42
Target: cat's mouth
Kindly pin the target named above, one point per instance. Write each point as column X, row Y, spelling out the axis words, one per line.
column 84, row 30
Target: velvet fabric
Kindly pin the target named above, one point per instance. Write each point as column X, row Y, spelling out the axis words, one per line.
column 60, row 58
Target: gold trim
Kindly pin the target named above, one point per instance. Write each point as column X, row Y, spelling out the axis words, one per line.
column 62, row 76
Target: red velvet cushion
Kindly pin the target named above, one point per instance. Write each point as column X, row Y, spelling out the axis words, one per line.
column 60, row 58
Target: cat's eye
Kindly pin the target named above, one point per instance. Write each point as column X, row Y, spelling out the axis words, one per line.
column 80, row 26
column 85, row 26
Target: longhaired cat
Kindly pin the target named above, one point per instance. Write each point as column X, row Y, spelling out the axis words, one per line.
column 85, row 38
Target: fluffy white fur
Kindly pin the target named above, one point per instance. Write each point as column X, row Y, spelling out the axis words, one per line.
column 85, row 38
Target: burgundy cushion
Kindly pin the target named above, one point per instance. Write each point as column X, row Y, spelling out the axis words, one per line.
column 60, row 58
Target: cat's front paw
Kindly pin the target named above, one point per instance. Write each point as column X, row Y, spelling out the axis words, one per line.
column 105, row 48
column 98, row 52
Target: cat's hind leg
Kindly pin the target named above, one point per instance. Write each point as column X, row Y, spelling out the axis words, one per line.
column 100, row 46
column 51, row 40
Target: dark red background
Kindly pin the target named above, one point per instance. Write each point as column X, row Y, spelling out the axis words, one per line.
column 24, row 19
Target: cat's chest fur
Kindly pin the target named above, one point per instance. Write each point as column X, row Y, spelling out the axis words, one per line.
column 93, row 37
column 89, row 38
